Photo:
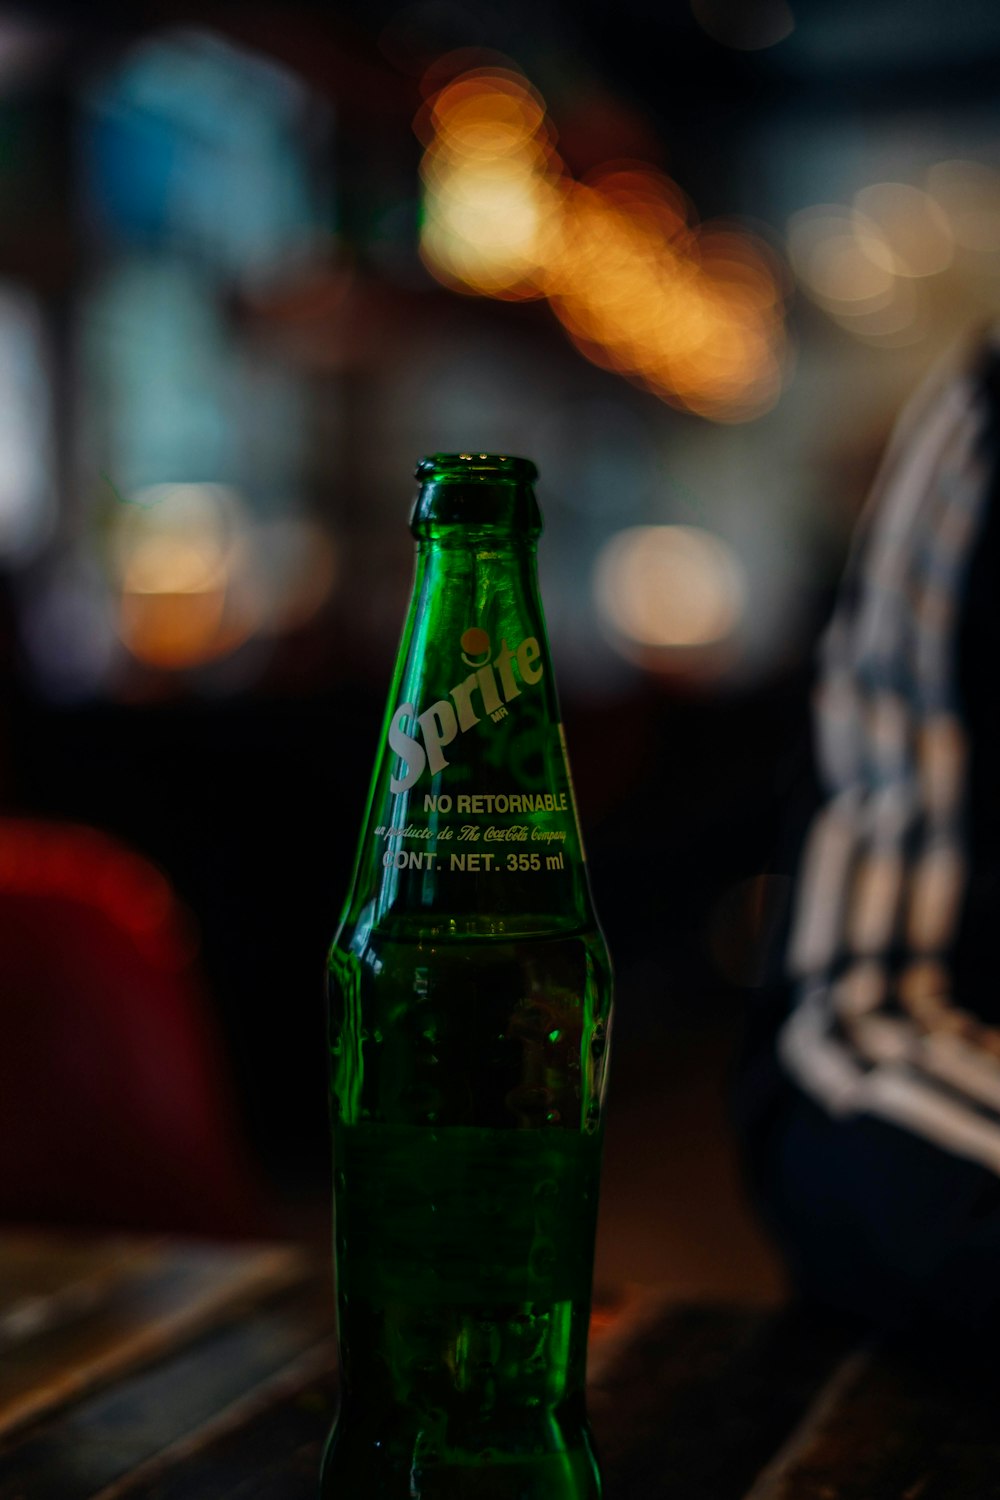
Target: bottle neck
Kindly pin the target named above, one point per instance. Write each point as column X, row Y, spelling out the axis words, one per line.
column 461, row 492
column 471, row 822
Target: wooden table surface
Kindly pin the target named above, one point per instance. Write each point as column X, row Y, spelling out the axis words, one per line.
column 175, row 1371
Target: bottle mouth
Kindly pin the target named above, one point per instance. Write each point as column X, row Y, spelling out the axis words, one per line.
column 460, row 492
column 472, row 466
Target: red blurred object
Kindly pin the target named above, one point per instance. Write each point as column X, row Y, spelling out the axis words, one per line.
column 114, row 1096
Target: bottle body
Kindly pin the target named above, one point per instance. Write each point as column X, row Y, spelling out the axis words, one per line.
column 465, row 1215
column 470, row 1000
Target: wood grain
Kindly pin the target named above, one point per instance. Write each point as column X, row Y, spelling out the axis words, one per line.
column 903, row 1423
column 162, row 1371
column 116, row 1439
column 118, row 1306
column 695, row 1400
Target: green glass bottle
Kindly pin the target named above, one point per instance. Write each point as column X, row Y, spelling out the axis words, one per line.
column 470, row 1001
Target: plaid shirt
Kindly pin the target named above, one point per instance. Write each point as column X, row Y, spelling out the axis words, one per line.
column 876, row 1028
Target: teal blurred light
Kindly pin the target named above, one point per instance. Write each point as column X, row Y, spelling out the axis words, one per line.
column 191, row 143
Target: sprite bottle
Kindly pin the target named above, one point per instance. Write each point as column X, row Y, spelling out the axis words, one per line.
column 470, row 1001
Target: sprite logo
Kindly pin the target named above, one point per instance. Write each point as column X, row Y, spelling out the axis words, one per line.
column 495, row 682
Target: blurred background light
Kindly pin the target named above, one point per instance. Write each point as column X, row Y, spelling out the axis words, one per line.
column 674, row 588
column 914, row 239
column 854, row 264
column 68, row 630
column 840, row 258
column 968, row 193
column 193, row 142
column 492, row 183
column 747, row 25
column 27, row 481
column 26, row 46
column 199, row 193
column 196, row 576
column 183, row 563
column 300, row 574
column 163, row 389
column 692, row 313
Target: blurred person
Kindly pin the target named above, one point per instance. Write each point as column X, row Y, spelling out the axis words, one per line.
column 870, row 1096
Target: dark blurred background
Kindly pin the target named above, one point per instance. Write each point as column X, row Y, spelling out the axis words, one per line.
column 254, row 261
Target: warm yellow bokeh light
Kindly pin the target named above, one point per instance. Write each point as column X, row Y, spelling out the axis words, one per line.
column 487, row 225
column 841, row 258
column 174, row 565
column 846, row 262
column 487, row 112
column 914, row 231
column 670, row 587
column 180, row 554
column 840, row 270
column 694, row 314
